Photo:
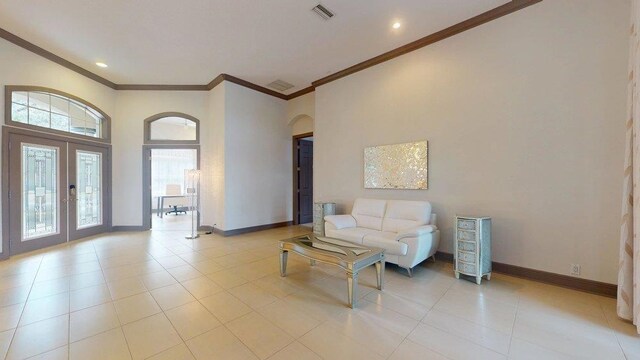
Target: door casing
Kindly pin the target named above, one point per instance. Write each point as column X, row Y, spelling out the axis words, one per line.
column 7, row 131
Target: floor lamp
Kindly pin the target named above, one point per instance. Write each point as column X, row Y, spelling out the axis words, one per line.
column 193, row 184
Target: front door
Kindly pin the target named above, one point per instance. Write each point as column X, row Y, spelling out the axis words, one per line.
column 37, row 196
column 86, row 190
column 57, row 191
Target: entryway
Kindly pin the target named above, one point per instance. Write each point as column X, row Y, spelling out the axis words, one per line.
column 303, row 178
column 58, row 189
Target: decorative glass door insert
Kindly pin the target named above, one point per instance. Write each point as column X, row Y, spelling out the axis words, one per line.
column 40, row 211
column 89, row 189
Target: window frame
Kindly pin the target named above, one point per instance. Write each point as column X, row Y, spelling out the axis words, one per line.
column 147, row 129
column 8, row 120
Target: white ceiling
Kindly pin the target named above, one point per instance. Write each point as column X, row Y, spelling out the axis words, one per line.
column 192, row 41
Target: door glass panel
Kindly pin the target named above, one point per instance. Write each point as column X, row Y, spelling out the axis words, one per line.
column 89, row 189
column 40, row 211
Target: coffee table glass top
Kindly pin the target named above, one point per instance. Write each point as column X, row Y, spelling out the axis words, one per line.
column 332, row 245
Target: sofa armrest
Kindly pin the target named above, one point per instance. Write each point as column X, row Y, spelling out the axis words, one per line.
column 416, row 231
column 341, row 221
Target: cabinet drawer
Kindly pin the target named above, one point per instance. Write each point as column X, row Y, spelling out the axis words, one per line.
column 469, row 269
column 466, row 224
column 466, row 235
column 467, row 246
column 467, row 257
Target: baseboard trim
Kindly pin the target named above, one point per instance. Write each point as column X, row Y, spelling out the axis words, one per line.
column 570, row 282
column 128, row 228
column 251, row 228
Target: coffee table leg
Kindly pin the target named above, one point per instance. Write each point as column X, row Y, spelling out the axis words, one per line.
column 380, row 273
column 352, row 284
column 283, row 262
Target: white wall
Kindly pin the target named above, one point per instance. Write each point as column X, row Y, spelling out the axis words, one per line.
column 132, row 107
column 213, row 164
column 257, row 159
column 21, row 67
column 302, row 125
column 525, row 120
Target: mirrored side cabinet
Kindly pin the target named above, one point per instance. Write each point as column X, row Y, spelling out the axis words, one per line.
column 472, row 247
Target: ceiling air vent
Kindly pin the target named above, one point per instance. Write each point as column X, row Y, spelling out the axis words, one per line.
column 323, row 12
column 280, row 85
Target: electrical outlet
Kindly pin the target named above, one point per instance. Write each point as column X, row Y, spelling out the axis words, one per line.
column 575, row 269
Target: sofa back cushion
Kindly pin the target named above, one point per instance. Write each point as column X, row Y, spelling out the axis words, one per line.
column 369, row 213
column 401, row 215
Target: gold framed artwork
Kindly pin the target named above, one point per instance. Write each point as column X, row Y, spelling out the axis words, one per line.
column 398, row 166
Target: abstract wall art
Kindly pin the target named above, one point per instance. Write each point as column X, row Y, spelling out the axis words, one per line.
column 398, row 166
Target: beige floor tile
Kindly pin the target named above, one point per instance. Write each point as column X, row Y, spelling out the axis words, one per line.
column 259, row 335
column 14, row 295
column 227, row 279
column 486, row 312
column 331, row 344
column 45, row 308
column 136, row 307
column 157, row 280
column 191, row 320
column 225, row 307
column 219, row 343
column 92, row 321
column 292, row 320
column 9, row 316
column 80, row 281
column 51, row 334
column 126, row 287
column 150, row 336
column 450, row 345
column 171, row 261
column 180, row 352
column 61, row 353
column 295, row 351
column 202, row 287
column 185, row 272
column 89, row 296
column 207, row 266
column 110, row 345
column 5, row 341
column 398, row 304
column 524, row 350
column 277, row 285
column 489, row 338
column 172, row 296
column 252, row 295
column 409, row 350
column 48, row 288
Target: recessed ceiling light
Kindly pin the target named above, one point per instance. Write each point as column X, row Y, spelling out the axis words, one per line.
column 101, row 64
column 396, row 25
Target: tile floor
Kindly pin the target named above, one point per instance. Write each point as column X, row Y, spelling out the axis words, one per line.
column 155, row 295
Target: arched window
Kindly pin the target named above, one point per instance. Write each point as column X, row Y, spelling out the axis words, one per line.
column 41, row 108
column 171, row 128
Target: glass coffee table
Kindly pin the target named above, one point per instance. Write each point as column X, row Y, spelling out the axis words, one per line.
column 350, row 257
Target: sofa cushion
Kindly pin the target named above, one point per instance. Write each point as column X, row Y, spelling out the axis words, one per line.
column 386, row 241
column 369, row 213
column 401, row 214
column 354, row 235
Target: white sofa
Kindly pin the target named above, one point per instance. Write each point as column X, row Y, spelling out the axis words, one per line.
column 405, row 229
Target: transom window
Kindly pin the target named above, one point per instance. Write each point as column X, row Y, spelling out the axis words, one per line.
column 57, row 111
column 171, row 128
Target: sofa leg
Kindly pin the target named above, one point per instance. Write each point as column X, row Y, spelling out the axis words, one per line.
column 409, row 272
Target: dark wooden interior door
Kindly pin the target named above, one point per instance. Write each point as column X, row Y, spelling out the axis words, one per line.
column 305, row 181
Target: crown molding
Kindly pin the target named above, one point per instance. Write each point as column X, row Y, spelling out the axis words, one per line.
column 496, row 13
column 468, row 24
column 53, row 57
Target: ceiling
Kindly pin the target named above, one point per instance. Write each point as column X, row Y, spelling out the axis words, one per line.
column 192, row 41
